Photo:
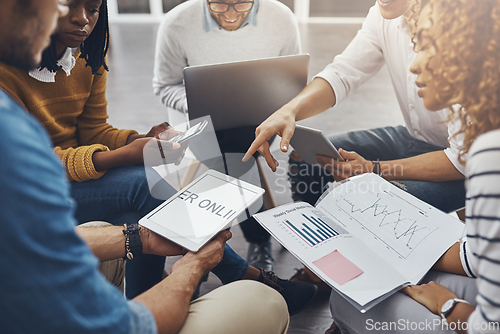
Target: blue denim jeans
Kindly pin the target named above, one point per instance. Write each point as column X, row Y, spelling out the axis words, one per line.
column 122, row 195
column 389, row 143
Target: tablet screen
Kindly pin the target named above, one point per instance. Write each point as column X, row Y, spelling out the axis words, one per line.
column 199, row 211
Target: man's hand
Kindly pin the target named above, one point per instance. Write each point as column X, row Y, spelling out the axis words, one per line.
column 204, row 259
column 432, row 295
column 354, row 164
column 153, row 243
column 281, row 123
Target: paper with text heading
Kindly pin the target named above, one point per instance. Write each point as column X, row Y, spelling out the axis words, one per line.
column 391, row 236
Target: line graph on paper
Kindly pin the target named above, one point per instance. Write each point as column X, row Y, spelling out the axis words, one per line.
column 399, row 224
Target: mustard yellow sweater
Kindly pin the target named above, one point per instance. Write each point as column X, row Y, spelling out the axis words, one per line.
column 73, row 111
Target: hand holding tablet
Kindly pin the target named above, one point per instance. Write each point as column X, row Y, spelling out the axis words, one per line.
column 198, row 212
column 309, row 143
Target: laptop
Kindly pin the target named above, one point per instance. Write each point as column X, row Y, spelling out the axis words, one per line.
column 244, row 93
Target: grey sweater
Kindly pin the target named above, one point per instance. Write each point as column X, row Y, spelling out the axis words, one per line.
column 183, row 41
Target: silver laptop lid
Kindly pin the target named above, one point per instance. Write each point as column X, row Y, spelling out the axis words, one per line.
column 244, row 93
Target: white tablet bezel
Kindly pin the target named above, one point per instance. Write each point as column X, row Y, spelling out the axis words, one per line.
column 187, row 243
column 309, row 142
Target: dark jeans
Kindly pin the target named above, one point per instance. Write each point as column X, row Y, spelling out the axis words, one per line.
column 237, row 141
column 122, row 195
column 389, row 143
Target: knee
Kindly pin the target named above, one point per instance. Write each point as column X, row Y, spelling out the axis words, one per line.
column 252, row 307
column 266, row 306
column 261, row 292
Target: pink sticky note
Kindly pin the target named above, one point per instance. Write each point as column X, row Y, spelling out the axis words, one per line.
column 338, row 268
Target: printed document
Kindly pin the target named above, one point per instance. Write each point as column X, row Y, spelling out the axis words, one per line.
column 366, row 237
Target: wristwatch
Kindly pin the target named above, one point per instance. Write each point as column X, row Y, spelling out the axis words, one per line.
column 133, row 243
column 449, row 305
column 376, row 167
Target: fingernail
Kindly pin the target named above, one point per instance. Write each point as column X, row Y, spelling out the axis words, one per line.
column 284, row 148
column 276, row 163
column 245, row 157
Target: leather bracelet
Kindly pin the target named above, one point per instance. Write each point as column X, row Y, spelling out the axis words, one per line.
column 133, row 243
column 376, row 167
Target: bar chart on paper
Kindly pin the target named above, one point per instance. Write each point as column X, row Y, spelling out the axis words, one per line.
column 313, row 230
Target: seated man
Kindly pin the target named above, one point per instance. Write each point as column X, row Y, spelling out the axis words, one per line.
column 204, row 32
column 51, row 283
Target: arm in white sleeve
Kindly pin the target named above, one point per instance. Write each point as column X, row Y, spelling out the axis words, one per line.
column 361, row 60
column 456, row 143
column 464, row 258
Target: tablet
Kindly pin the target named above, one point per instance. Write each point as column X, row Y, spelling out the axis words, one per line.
column 195, row 214
column 309, row 142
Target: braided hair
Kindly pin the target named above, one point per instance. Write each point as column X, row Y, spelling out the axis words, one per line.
column 93, row 49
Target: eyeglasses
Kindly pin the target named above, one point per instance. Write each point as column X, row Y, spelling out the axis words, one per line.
column 222, row 7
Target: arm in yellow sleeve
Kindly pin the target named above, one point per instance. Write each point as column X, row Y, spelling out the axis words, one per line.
column 78, row 162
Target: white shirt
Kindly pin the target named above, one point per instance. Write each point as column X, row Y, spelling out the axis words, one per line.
column 381, row 41
column 67, row 62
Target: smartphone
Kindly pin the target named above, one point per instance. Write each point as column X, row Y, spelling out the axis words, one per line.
column 189, row 133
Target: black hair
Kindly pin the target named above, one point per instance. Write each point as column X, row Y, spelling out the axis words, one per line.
column 93, row 50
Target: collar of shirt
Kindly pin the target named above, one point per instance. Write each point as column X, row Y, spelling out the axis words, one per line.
column 210, row 23
column 67, row 62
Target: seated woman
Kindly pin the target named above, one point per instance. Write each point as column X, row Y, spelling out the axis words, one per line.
column 457, row 63
column 67, row 95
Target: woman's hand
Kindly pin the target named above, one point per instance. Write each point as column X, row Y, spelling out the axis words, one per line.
column 281, row 123
column 155, row 131
column 158, row 129
column 432, row 295
column 354, row 164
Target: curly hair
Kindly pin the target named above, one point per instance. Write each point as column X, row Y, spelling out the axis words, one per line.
column 412, row 14
column 469, row 63
column 93, row 50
